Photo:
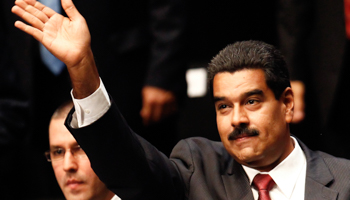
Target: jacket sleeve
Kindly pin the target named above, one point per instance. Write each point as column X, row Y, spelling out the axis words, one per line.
column 130, row 166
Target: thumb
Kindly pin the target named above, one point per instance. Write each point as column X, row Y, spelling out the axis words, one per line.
column 70, row 9
column 145, row 113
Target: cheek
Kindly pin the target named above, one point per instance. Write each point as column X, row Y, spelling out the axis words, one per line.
column 90, row 176
column 271, row 132
column 223, row 125
column 96, row 185
column 85, row 169
column 278, row 123
column 59, row 174
column 267, row 122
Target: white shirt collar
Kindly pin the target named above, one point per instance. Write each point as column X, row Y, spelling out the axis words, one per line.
column 115, row 197
column 286, row 173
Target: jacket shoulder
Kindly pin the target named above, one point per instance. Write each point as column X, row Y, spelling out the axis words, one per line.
column 337, row 165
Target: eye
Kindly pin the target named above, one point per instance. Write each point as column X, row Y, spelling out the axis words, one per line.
column 222, row 106
column 251, row 101
column 78, row 151
column 57, row 152
column 253, row 104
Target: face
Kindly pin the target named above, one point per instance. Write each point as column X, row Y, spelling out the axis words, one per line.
column 252, row 124
column 75, row 177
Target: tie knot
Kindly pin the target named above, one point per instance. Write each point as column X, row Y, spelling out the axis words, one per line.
column 263, row 182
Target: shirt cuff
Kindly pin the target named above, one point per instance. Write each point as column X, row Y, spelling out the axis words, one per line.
column 91, row 108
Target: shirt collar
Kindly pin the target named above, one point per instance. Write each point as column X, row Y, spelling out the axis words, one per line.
column 286, row 173
column 115, row 197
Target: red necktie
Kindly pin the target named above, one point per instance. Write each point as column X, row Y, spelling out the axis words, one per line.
column 347, row 17
column 264, row 183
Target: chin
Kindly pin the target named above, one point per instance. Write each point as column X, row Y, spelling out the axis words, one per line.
column 247, row 157
column 76, row 197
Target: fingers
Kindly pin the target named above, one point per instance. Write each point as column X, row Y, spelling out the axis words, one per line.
column 298, row 88
column 33, row 12
column 157, row 104
column 299, row 109
column 70, row 10
column 298, row 116
column 37, row 34
column 41, row 7
column 31, row 19
column 145, row 114
column 151, row 113
column 37, row 24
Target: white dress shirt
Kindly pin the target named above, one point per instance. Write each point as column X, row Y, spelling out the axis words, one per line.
column 91, row 108
column 115, row 197
column 289, row 176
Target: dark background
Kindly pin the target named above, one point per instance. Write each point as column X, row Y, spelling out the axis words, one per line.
column 25, row 110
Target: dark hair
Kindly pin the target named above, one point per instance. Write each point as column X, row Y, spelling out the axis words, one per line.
column 62, row 111
column 252, row 55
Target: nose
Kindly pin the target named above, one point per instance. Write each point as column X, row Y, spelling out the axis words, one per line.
column 239, row 117
column 69, row 162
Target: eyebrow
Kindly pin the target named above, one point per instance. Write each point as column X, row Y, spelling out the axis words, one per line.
column 55, row 147
column 253, row 92
column 247, row 94
column 61, row 147
column 216, row 99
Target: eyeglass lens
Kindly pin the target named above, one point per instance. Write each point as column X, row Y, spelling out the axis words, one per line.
column 58, row 153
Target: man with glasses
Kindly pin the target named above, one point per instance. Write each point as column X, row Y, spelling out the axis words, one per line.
column 71, row 165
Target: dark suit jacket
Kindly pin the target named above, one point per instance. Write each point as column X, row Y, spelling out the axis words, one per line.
column 197, row 169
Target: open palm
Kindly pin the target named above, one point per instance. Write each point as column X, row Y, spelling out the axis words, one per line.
column 66, row 38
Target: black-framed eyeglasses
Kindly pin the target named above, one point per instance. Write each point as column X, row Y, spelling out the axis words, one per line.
column 57, row 154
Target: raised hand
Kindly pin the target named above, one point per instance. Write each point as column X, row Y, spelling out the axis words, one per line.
column 67, row 38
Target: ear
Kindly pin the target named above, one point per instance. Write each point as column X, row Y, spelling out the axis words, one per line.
column 287, row 99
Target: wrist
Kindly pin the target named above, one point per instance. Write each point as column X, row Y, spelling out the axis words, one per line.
column 84, row 76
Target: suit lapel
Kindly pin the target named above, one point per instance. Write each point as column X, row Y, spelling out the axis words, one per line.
column 236, row 183
column 318, row 177
column 316, row 190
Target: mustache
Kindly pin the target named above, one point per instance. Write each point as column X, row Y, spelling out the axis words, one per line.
column 242, row 131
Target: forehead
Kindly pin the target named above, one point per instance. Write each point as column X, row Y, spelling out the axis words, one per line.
column 225, row 83
column 59, row 134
